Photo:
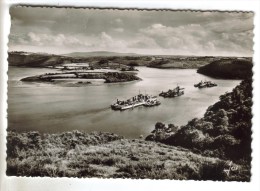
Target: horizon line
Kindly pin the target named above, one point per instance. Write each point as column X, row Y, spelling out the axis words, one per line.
column 134, row 54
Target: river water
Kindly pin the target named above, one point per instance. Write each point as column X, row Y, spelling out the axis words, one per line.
column 51, row 108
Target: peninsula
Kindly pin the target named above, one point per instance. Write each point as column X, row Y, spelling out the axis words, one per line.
column 109, row 77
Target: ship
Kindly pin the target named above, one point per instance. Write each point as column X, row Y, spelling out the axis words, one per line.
column 205, row 84
column 136, row 101
column 151, row 103
column 172, row 92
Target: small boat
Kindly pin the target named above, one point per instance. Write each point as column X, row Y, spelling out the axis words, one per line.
column 205, row 84
column 116, row 106
column 131, row 106
column 172, row 92
column 152, row 103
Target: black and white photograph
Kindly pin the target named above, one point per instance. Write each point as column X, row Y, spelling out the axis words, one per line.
column 130, row 93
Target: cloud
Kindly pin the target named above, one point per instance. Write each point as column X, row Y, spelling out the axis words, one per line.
column 120, row 30
column 231, row 26
column 41, row 39
column 196, row 38
column 118, row 20
column 143, row 43
column 180, row 37
column 106, row 40
column 198, row 33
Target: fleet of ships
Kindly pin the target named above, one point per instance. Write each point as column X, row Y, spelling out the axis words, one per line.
column 150, row 101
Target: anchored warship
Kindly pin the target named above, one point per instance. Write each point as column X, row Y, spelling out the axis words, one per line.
column 139, row 100
column 172, row 92
column 205, row 84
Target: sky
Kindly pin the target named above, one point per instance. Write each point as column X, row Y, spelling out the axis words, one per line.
column 65, row 30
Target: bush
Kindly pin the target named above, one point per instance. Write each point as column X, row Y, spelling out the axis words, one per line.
column 213, row 171
column 224, row 129
column 142, row 170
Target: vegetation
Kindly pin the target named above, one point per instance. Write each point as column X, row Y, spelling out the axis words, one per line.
column 201, row 150
column 106, row 155
column 181, row 62
column 204, row 149
column 25, row 59
column 109, row 77
column 112, row 60
column 228, row 69
column 224, row 131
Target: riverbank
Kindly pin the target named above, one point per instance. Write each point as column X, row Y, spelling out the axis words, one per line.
column 224, row 131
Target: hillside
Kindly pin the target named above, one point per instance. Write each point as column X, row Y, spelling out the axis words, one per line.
column 95, row 59
column 228, row 69
column 181, row 62
column 223, row 132
column 106, row 155
column 25, row 59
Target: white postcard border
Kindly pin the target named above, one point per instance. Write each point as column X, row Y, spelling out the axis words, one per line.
column 94, row 184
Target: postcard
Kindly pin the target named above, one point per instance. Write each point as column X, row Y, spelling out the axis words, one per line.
column 130, row 94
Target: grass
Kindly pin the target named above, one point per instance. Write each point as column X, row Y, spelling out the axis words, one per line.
column 109, row 156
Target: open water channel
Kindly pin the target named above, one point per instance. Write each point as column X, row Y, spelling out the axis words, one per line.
column 51, row 108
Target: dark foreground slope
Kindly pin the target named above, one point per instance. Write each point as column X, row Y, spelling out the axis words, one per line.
column 223, row 132
column 228, row 69
column 106, row 155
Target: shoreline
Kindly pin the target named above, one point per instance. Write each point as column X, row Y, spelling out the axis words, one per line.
column 109, row 77
column 107, row 155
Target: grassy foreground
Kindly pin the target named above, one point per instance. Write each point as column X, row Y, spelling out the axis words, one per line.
column 106, row 155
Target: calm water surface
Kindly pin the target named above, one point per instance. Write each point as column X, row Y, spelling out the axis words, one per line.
column 51, row 108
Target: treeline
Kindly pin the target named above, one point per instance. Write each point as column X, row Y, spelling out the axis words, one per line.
column 228, row 69
column 223, row 132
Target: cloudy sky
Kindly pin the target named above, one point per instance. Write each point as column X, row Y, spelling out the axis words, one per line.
column 61, row 30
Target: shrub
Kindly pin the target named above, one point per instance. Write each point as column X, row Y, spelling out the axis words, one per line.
column 88, row 172
column 145, row 169
column 188, row 171
column 213, row 171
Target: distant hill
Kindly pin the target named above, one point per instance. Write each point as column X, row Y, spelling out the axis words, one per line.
column 27, row 59
column 228, row 69
column 99, row 53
